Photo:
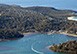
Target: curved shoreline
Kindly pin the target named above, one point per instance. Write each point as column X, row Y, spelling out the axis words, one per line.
column 73, row 35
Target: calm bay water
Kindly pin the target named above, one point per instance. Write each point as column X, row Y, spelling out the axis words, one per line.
column 33, row 44
column 60, row 4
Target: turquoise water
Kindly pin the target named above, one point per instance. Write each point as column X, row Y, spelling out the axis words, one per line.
column 33, row 44
column 60, row 4
column 75, row 18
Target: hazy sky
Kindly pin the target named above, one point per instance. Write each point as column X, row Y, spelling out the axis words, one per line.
column 61, row 4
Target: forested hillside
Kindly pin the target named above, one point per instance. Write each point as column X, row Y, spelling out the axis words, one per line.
column 68, row 47
column 32, row 19
column 52, row 12
column 9, row 34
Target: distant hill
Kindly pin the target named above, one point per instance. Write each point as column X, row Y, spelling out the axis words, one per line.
column 32, row 19
column 52, row 12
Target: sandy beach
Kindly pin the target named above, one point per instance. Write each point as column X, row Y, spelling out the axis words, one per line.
column 28, row 33
column 48, row 46
column 71, row 18
column 73, row 35
column 69, row 34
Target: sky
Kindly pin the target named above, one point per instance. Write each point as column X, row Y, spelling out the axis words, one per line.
column 60, row 4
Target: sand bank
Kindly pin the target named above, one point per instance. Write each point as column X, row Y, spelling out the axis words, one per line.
column 71, row 18
column 68, row 34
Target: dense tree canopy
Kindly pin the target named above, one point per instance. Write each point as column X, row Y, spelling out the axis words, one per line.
column 68, row 47
column 32, row 19
column 9, row 34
